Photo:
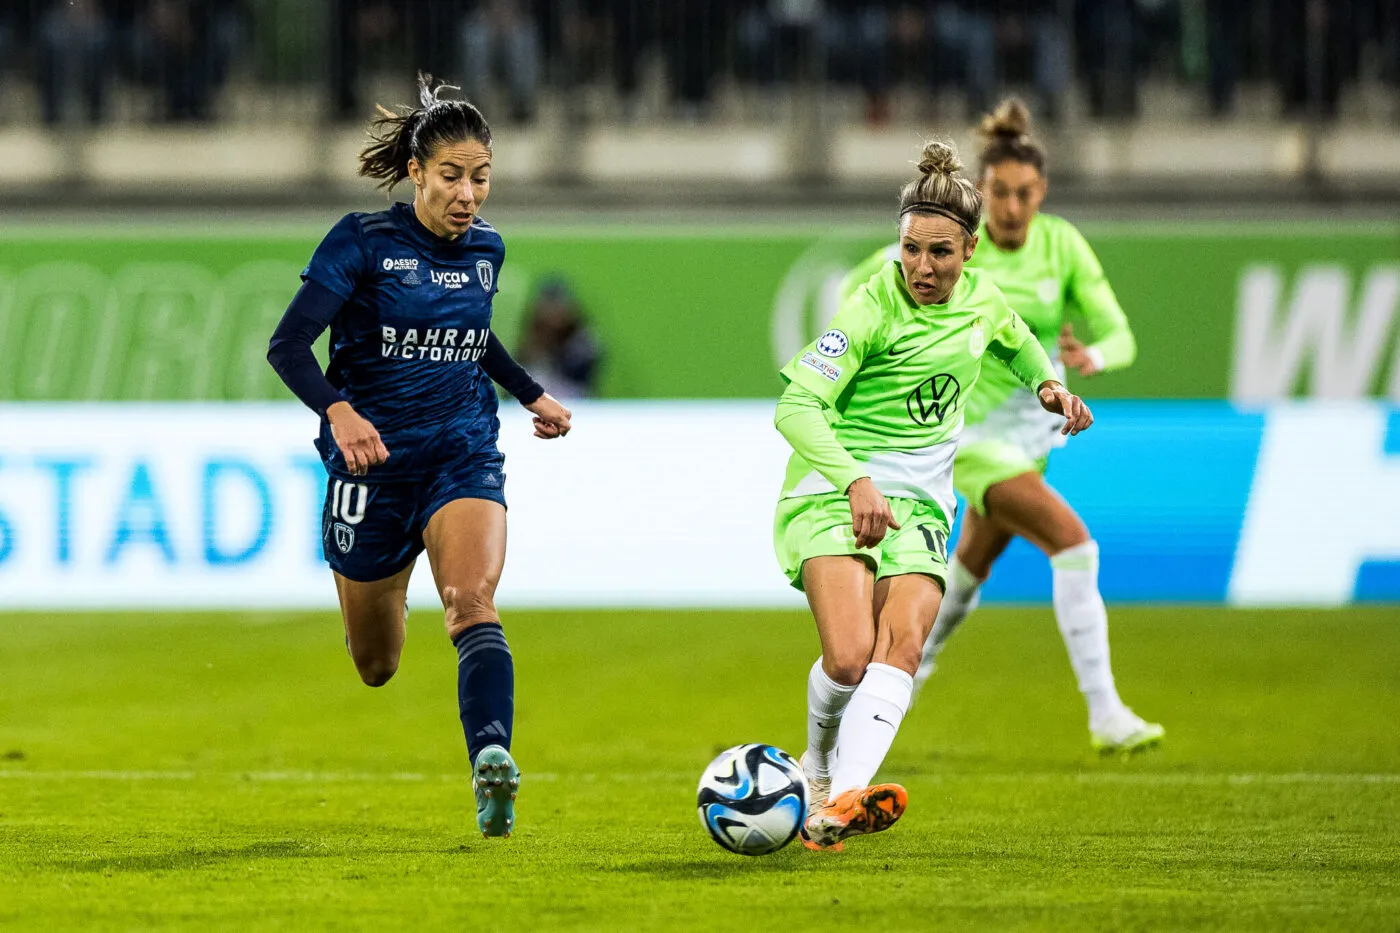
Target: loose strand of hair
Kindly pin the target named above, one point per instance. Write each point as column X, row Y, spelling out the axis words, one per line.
column 395, row 137
column 391, row 146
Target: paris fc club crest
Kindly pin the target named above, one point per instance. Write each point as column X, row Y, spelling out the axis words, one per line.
column 485, row 273
column 344, row 537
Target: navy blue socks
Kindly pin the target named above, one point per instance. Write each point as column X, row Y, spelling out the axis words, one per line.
column 485, row 686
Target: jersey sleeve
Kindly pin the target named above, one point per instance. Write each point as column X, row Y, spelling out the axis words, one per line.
column 1088, row 287
column 801, row 420
column 826, row 366
column 339, row 263
column 1012, row 343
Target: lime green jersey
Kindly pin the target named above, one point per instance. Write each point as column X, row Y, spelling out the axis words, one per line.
column 897, row 376
column 1054, row 271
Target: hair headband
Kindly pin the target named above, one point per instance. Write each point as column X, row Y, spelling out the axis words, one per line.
column 928, row 207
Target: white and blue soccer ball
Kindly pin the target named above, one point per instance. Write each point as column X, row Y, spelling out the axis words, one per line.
column 753, row 799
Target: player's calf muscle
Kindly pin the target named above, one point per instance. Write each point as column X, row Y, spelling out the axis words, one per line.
column 375, row 647
column 1027, row 506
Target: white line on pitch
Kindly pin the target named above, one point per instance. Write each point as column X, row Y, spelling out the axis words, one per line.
column 368, row 777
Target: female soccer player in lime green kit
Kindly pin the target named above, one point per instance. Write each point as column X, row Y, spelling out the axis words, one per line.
column 1044, row 267
column 873, row 409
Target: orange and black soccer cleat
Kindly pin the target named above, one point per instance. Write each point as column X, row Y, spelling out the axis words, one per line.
column 856, row 812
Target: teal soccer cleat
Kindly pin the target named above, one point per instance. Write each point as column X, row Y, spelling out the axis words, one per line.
column 496, row 780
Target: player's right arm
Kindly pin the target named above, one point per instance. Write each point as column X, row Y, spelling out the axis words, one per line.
column 1114, row 346
column 328, row 282
column 817, row 377
column 1013, row 344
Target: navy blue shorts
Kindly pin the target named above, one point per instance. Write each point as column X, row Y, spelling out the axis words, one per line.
column 372, row 530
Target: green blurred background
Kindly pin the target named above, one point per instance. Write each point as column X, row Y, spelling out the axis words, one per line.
column 135, row 312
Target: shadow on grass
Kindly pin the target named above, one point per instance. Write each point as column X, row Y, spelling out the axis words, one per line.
column 186, row 859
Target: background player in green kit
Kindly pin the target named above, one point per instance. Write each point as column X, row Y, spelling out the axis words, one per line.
column 1045, row 269
column 873, row 409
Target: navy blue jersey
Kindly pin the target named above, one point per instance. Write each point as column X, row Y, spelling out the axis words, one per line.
column 405, row 347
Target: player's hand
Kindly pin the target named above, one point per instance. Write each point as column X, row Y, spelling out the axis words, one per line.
column 357, row 439
column 1054, row 397
column 870, row 513
column 1075, row 355
column 551, row 418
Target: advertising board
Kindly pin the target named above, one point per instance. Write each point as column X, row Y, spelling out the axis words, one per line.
column 218, row 505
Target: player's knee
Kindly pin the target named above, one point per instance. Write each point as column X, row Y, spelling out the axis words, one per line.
column 976, row 561
column 467, row 606
column 376, row 672
column 1072, row 534
column 906, row 647
column 846, row 667
column 906, row 656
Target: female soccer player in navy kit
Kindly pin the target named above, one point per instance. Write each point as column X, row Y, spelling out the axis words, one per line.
column 408, row 416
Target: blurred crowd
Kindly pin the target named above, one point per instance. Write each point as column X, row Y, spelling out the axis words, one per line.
column 77, row 51
column 183, row 51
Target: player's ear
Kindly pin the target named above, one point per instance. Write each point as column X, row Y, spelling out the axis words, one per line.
column 970, row 246
column 415, row 172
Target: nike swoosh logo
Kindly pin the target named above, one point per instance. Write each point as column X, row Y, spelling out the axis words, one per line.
column 896, row 351
column 879, row 718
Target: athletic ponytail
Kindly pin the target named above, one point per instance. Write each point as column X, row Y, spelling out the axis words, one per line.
column 417, row 132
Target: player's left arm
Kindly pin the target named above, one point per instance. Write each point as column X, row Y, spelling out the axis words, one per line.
column 1013, row 343
column 551, row 418
column 1113, row 346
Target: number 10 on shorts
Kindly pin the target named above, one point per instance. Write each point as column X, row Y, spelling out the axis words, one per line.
column 936, row 541
column 348, row 501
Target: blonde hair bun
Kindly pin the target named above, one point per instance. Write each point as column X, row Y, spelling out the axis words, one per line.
column 939, row 158
column 1011, row 120
column 941, row 188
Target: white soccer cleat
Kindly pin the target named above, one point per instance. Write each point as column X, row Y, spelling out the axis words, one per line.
column 1125, row 733
column 818, row 790
column 818, row 787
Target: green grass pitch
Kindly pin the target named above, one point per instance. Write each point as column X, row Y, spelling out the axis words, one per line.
column 230, row 772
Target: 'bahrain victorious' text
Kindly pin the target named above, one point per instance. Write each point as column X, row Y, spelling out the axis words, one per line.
column 405, row 347
column 437, row 344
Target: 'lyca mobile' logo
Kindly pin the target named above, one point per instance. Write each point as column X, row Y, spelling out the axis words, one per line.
column 450, row 279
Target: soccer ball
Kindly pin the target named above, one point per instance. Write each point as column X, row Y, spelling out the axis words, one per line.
column 753, row 799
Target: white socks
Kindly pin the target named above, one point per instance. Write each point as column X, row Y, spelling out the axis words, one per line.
column 870, row 724
column 963, row 595
column 1083, row 621
column 826, row 701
